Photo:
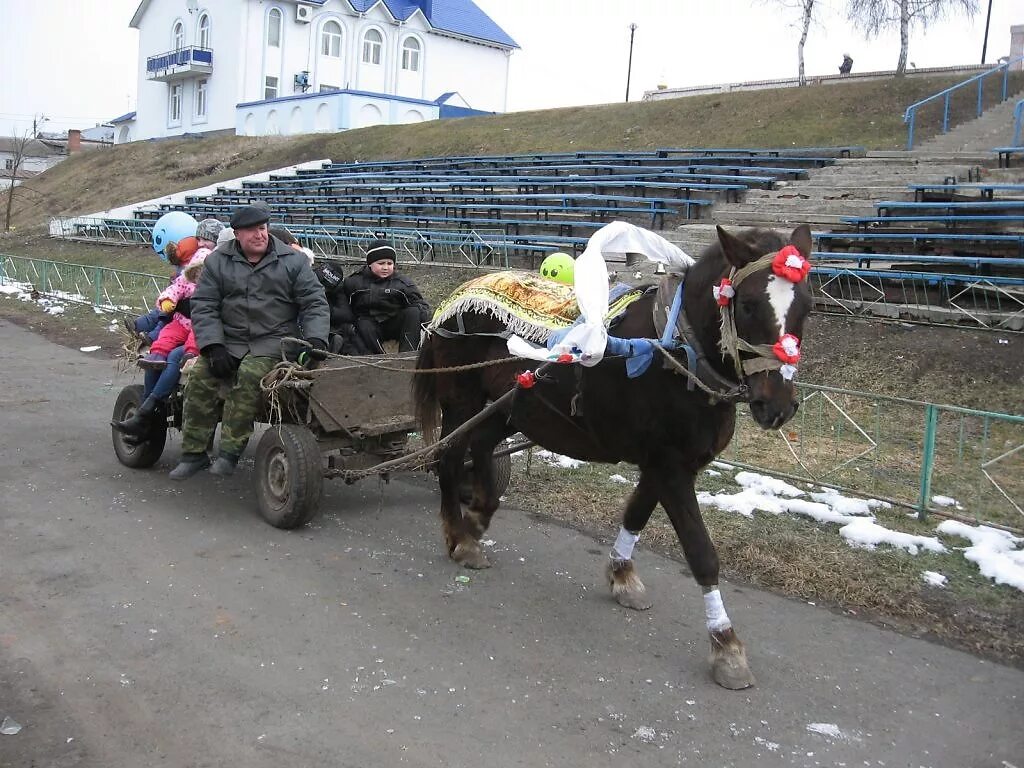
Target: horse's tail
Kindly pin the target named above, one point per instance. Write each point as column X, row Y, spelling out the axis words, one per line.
column 424, row 393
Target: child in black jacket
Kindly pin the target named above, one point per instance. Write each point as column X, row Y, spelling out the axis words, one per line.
column 385, row 305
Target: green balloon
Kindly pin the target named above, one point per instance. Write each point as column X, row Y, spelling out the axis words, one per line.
column 558, row 267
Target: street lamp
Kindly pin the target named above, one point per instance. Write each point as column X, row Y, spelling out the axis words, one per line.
column 629, row 68
column 984, row 45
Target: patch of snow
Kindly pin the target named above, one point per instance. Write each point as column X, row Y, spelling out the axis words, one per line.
column 558, row 460
column 934, row 578
column 55, row 309
column 92, row 348
column 847, row 506
column 723, row 465
column 831, row 730
column 764, row 483
column 997, row 553
column 712, row 473
column 771, row 746
column 866, row 533
column 620, row 479
column 646, row 734
column 945, row 501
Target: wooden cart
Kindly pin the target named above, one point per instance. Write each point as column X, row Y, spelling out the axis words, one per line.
column 349, row 420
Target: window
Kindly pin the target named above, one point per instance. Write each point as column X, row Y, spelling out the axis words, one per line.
column 174, row 108
column 204, row 31
column 201, row 87
column 9, row 164
column 411, row 54
column 270, row 87
column 178, row 36
column 274, row 28
column 328, row 88
column 330, row 40
column 372, row 44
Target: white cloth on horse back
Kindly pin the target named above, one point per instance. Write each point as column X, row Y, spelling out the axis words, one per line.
column 591, row 285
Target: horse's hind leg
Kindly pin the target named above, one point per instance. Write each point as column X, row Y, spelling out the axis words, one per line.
column 485, row 501
column 462, row 545
column 627, row 588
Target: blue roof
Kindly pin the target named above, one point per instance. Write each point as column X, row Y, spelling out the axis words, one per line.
column 460, row 17
column 124, row 118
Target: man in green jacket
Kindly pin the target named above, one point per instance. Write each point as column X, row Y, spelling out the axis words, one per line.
column 254, row 292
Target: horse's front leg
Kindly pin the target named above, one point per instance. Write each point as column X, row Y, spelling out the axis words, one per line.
column 728, row 657
column 627, row 588
column 485, row 500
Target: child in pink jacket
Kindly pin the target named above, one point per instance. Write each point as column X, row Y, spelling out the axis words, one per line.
column 176, row 297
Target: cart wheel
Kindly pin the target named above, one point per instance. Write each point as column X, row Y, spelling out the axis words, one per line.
column 501, row 468
column 146, row 453
column 290, row 476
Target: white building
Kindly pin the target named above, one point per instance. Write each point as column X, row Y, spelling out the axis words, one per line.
column 31, row 156
column 264, row 67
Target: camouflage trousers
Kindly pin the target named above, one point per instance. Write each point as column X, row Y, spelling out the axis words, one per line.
column 242, row 402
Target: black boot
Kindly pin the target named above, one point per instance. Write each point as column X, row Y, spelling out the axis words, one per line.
column 138, row 424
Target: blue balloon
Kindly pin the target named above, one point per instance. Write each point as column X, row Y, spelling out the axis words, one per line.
column 170, row 228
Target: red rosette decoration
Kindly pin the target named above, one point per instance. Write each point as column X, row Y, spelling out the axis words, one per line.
column 526, row 379
column 787, row 349
column 790, row 265
column 724, row 292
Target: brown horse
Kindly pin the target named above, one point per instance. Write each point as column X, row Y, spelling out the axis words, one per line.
column 668, row 429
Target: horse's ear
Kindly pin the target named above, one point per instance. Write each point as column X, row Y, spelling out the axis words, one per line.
column 736, row 252
column 801, row 238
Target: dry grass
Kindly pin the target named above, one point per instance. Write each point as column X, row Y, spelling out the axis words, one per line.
column 860, row 113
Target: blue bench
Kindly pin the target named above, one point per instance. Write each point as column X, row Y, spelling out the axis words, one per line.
column 918, row 240
column 1005, row 153
column 863, row 222
column 886, row 207
column 985, row 191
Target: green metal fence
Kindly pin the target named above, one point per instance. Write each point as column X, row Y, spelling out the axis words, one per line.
column 918, row 455
column 110, row 289
column 905, row 451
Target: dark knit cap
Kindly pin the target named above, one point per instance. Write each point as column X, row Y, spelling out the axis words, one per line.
column 379, row 250
column 250, row 216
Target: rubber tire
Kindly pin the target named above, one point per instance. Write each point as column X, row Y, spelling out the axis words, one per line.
column 501, row 467
column 147, row 453
column 289, row 476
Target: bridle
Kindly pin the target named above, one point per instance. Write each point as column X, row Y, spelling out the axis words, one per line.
column 786, row 263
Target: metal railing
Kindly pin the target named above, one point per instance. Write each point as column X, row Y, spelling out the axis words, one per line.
column 910, row 116
column 934, row 459
column 1018, row 116
column 180, row 57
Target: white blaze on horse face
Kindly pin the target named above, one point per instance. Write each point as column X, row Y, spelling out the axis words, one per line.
column 780, row 295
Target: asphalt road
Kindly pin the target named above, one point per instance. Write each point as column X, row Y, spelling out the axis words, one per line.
column 146, row 623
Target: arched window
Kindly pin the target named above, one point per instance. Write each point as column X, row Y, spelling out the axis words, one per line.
column 178, row 36
column 274, row 28
column 411, row 54
column 204, row 31
column 373, row 42
column 330, row 40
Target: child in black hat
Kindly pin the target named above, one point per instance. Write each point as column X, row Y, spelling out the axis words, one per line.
column 385, row 305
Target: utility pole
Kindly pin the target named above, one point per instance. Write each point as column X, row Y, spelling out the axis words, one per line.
column 984, row 45
column 629, row 68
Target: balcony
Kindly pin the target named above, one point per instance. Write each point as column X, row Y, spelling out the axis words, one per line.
column 183, row 63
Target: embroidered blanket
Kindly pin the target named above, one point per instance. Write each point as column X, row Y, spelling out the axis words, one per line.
column 527, row 305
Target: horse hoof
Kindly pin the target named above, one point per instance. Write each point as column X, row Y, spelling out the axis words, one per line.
column 469, row 555
column 627, row 589
column 729, row 661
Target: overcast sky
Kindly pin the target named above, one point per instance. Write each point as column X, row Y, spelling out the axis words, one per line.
column 76, row 64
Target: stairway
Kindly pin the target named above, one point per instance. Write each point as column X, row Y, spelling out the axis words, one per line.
column 993, row 129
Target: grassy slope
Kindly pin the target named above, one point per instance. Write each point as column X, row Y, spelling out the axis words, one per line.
column 863, row 113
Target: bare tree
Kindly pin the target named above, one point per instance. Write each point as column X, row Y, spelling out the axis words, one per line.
column 19, row 145
column 806, row 8
column 877, row 16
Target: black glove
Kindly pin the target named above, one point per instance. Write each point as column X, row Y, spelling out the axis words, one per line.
column 311, row 358
column 222, row 366
column 184, row 307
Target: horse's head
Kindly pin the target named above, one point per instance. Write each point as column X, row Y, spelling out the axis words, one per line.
column 763, row 319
